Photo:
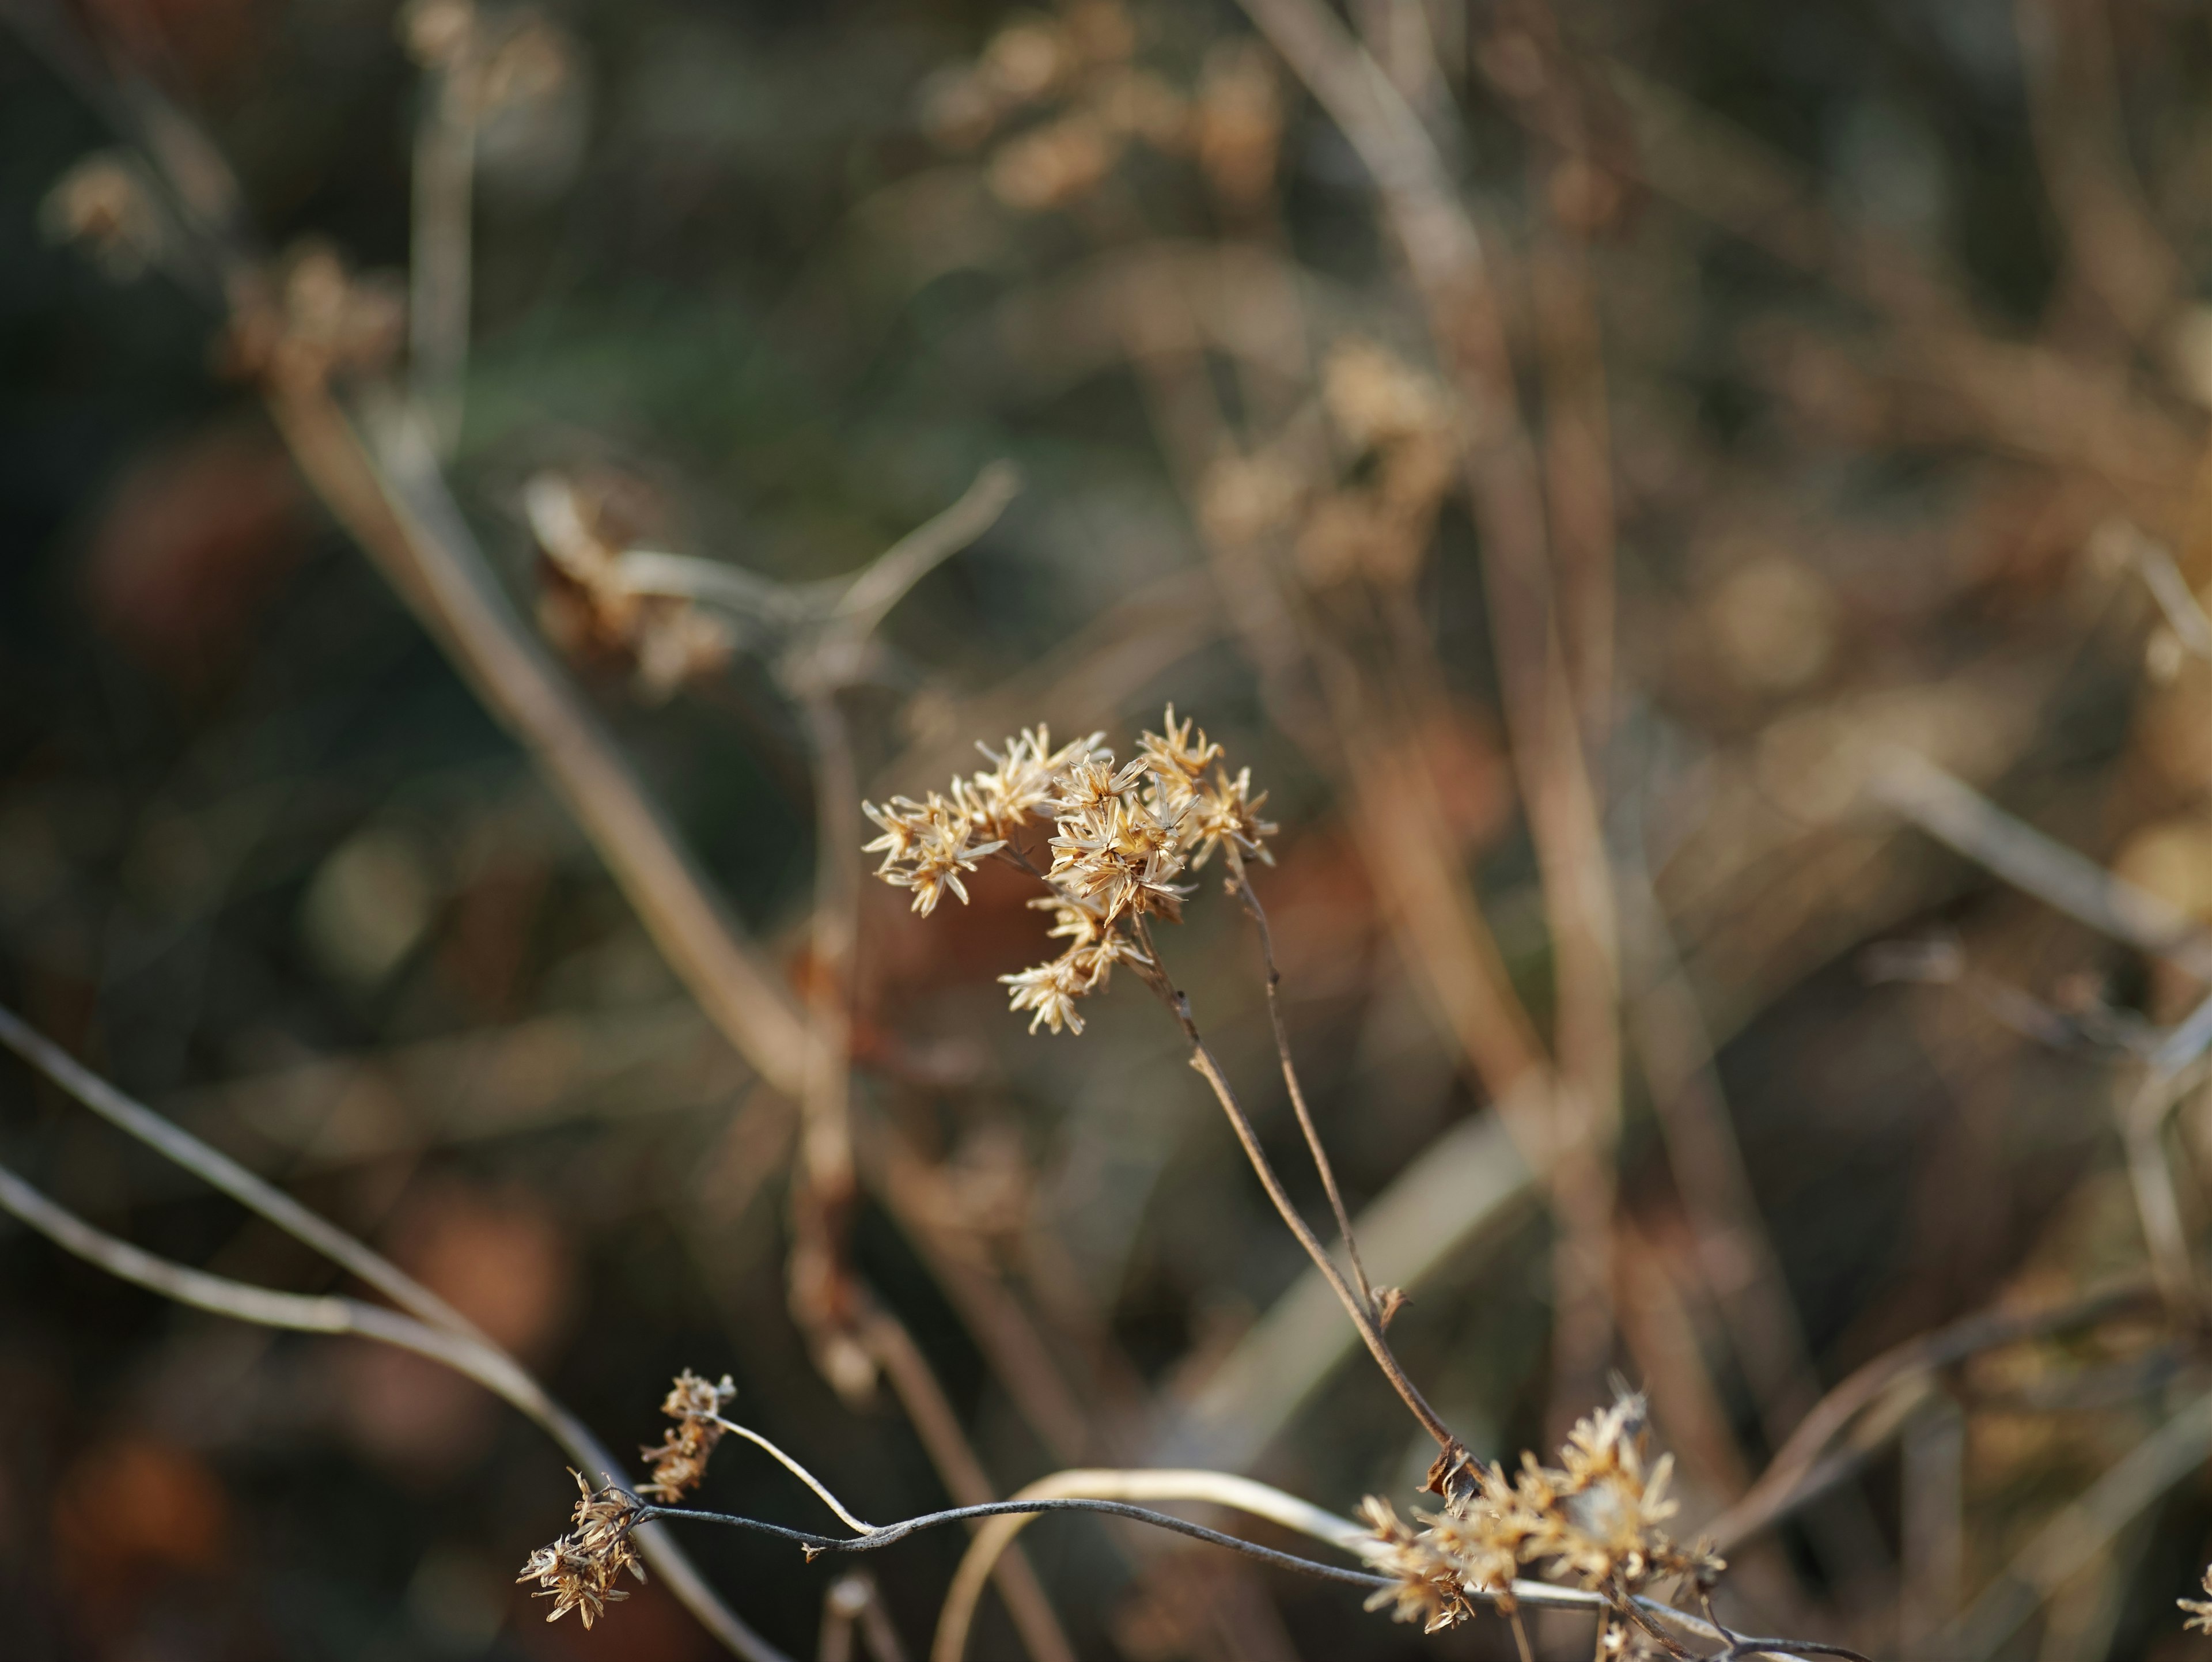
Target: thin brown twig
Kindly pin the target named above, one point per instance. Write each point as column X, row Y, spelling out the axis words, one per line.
column 1362, row 1313
column 1241, row 885
column 389, row 496
column 949, row 1452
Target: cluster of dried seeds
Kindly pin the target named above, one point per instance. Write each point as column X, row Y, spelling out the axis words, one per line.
column 1594, row 1520
column 1120, row 837
column 579, row 1571
column 680, row 1464
column 2200, row 1610
column 1056, row 101
column 590, row 610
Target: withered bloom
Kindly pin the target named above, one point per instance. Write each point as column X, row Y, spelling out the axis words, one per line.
column 579, row 1571
column 1595, row 1519
column 680, row 1464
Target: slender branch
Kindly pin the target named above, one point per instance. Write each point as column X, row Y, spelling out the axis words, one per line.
column 465, row 1352
column 958, row 1614
column 815, row 1546
column 2184, row 612
column 1798, row 1473
column 914, row 555
column 1954, row 813
column 792, row 1465
column 439, row 257
column 1362, row 1312
column 176, row 1144
column 1241, row 884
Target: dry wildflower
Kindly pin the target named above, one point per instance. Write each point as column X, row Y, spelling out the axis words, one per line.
column 2200, row 1610
column 680, row 1464
column 1595, row 1519
column 590, row 611
column 1400, row 424
column 102, row 203
column 925, row 847
column 579, row 1571
column 1427, row 1581
column 1022, row 783
column 1122, row 834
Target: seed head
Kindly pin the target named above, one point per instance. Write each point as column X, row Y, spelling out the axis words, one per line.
column 579, row 1571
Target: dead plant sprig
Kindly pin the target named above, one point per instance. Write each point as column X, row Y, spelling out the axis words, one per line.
column 1122, row 834
column 1594, row 1521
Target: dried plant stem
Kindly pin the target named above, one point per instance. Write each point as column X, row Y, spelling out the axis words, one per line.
column 1798, row 1472
column 887, row 577
column 1241, row 884
column 391, row 497
column 1361, row 1311
column 1954, row 813
column 820, row 1489
column 179, row 1146
column 962, row 1475
column 956, row 1616
column 463, row 1351
column 439, row 257
column 822, row 1199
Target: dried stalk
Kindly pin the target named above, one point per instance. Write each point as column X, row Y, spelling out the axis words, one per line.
column 1361, row 1311
column 465, row 1352
column 1798, row 1472
column 961, row 1473
column 1240, row 884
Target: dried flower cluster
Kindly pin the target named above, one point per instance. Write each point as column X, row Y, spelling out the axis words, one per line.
column 1370, row 512
column 1595, row 1519
column 680, row 1464
column 103, row 205
column 318, row 320
column 495, row 58
column 1120, row 837
column 2200, row 1610
column 579, row 1571
column 590, row 610
column 1064, row 99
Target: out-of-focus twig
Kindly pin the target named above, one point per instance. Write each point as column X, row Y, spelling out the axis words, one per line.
column 1798, row 1472
column 390, row 495
column 1953, row 813
column 462, row 1351
column 446, row 40
column 961, row 1473
column 2081, row 1530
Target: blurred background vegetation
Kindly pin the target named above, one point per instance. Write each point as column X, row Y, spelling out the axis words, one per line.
column 1865, row 350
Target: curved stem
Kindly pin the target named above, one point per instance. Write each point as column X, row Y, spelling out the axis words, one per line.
column 958, row 1614
column 790, row 1465
column 815, row 1545
column 472, row 1357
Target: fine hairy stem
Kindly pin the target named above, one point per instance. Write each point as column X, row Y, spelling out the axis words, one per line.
column 1361, row 1311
